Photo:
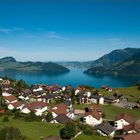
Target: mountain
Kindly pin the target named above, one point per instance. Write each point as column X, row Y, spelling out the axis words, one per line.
column 107, row 60
column 127, row 67
column 9, row 63
column 115, row 57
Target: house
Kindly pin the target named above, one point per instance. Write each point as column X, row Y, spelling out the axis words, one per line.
column 95, row 107
column 61, row 109
column 97, row 99
column 105, row 129
column 123, row 120
column 37, row 88
column 25, row 94
column 15, row 105
column 50, row 97
column 92, row 118
column 131, row 128
column 84, row 99
column 6, row 93
column 128, row 137
column 37, row 107
column 10, row 99
column 62, row 118
column 111, row 99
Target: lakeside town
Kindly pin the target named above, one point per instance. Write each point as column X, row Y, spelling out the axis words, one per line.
column 104, row 112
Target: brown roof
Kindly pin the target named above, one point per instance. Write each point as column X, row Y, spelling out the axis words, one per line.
column 10, row 98
column 125, row 117
column 132, row 126
column 35, row 105
column 94, row 114
column 62, row 118
column 60, row 109
column 95, row 107
column 132, row 137
column 16, row 104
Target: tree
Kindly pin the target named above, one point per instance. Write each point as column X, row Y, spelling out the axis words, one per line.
column 49, row 117
column 10, row 133
column 69, row 131
column 1, row 99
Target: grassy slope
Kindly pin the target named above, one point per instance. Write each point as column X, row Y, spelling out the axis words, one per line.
column 111, row 111
column 33, row 130
column 132, row 93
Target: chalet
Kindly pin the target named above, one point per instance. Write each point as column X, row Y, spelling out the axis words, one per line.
column 61, row 109
column 10, row 99
column 123, row 120
column 37, row 107
column 97, row 99
column 92, row 118
column 6, row 92
column 62, row 118
column 111, row 99
column 131, row 128
column 50, row 97
column 94, row 108
column 15, row 105
column 105, row 129
column 25, row 94
column 37, row 88
column 128, row 137
column 84, row 99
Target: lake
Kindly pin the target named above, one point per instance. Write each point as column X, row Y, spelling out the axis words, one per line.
column 74, row 77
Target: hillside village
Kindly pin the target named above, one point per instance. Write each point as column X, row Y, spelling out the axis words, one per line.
column 64, row 104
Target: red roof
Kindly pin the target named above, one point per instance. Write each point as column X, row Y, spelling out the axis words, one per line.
column 35, row 105
column 60, row 109
column 10, row 98
column 125, row 117
column 94, row 114
column 132, row 137
column 132, row 126
column 16, row 104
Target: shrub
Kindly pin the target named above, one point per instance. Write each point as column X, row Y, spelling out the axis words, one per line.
column 5, row 119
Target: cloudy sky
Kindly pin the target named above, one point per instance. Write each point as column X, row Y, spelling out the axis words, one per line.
column 65, row 30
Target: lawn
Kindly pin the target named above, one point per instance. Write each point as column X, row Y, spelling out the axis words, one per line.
column 93, row 137
column 112, row 111
column 33, row 130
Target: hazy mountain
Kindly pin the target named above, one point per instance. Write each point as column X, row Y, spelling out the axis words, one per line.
column 9, row 63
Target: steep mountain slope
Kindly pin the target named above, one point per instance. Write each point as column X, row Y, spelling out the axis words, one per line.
column 128, row 67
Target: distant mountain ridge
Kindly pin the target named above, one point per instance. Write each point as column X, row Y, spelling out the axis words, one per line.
column 10, row 63
column 125, row 62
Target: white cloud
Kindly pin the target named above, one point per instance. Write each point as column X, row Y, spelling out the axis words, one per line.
column 10, row 30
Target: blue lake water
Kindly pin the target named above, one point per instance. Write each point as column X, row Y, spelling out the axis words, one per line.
column 74, row 77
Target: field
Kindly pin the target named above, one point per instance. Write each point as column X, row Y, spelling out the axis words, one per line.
column 132, row 93
column 33, row 130
column 112, row 111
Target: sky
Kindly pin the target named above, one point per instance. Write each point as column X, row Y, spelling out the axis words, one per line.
column 67, row 30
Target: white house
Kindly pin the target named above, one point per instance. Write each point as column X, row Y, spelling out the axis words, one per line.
column 61, row 109
column 37, row 88
column 105, row 129
column 10, row 99
column 123, row 120
column 93, row 118
column 97, row 99
column 15, row 105
column 5, row 93
column 38, row 108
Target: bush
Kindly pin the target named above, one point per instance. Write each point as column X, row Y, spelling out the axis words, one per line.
column 87, row 130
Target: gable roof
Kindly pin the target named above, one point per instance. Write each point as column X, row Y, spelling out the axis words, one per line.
column 132, row 137
column 125, row 117
column 62, row 118
column 105, row 128
column 16, row 104
column 35, row 105
column 94, row 114
column 10, row 98
column 60, row 109
column 132, row 126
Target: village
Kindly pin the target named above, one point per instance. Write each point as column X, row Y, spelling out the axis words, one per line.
column 64, row 104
